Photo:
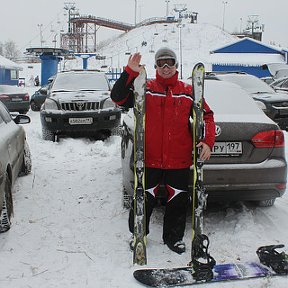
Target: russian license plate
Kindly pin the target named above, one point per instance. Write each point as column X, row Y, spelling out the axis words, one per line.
column 80, row 121
column 227, row 148
column 16, row 99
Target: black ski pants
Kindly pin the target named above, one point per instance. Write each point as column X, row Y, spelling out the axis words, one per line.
column 176, row 183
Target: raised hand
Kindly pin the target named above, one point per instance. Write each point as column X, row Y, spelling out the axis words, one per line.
column 134, row 62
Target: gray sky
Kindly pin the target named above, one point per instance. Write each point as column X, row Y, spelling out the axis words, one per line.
column 20, row 22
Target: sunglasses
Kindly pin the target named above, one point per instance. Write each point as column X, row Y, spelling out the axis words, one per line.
column 161, row 63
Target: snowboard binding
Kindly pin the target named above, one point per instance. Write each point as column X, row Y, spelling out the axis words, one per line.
column 202, row 262
column 273, row 259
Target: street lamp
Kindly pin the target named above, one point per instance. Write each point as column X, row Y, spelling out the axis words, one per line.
column 167, row 7
column 224, row 6
column 41, row 34
column 135, row 20
column 179, row 9
column 180, row 25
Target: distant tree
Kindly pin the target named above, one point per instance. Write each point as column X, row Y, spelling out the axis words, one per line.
column 10, row 50
column 1, row 48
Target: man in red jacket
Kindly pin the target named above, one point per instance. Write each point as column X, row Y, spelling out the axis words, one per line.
column 168, row 139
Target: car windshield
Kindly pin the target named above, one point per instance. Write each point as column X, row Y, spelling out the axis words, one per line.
column 250, row 84
column 80, row 81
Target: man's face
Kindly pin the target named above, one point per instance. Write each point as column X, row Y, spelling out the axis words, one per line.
column 166, row 68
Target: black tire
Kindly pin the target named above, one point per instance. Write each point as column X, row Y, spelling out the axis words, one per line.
column 34, row 107
column 7, row 206
column 23, row 111
column 48, row 135
column 27, row 161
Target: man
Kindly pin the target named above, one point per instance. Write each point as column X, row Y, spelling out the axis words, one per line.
column 168, row 139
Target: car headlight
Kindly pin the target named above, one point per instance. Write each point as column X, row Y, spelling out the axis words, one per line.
column 50, row 105
column 261, row 105
column 108, row 103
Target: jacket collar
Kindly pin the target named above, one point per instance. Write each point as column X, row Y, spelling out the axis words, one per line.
column 167, row 82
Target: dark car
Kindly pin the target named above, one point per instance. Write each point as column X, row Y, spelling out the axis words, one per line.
column 280, row 85
column 15, row 160
column 38, row 98
column 15, row 98
column 275, row 105
column 78, row 103
column 248, row 158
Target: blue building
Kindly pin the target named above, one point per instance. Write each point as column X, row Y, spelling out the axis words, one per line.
column 247, row 55
column 9, row 71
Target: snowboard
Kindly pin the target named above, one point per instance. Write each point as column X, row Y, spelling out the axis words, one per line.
column 182, row 276
column 139, row 241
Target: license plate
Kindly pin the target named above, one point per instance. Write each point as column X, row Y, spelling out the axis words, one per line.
column 16, row 99
column 80, row 121
column 227, row 148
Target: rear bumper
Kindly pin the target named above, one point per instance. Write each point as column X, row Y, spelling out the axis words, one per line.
column 17, row 106
column 260, row 181
column 241, row 182
column 102, row 120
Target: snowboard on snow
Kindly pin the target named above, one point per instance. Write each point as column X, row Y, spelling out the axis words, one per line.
column 184, row 275
column 272, row 263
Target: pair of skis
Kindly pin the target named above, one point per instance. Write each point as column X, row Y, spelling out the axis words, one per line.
column 202, row 268
column 199, row 242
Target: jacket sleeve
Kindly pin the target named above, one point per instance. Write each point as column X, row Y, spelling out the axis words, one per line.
column 122, row 91
column 209, row 126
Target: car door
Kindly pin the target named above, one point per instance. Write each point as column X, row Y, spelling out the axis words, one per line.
column 11, row 139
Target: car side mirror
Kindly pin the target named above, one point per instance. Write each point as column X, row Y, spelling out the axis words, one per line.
column 22, row 119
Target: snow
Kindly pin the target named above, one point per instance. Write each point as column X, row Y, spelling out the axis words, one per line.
column 6, row 63
column 69, row 228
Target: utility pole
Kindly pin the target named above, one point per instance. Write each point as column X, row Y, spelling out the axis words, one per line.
column 224, row 6
column 41, row 34
column 69, row 6
column 135, row 19
column 179, row 9
column 167, row 7
column 255, row 28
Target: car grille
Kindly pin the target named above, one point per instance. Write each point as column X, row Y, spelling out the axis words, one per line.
column 280, row 105
column 80, row 106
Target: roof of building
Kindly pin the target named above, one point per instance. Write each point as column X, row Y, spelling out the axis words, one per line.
column 8, row 64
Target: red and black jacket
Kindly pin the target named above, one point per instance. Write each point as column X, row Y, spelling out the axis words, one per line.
column 168, row 137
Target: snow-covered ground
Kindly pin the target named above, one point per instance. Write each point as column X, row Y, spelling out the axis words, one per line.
column 70, row 230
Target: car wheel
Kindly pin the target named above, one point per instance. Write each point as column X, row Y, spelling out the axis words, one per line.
column 27, row 161
column 23, row 111
column 266, row 203
column 126, row 199
column 7, row 207
column 48, row 135
column 33, row 106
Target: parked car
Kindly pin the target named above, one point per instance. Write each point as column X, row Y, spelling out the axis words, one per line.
column 280, row 85
column 38, row 98
column 274, row 104
column 15, row 98
column 248, row 159
column 15, row 160
column 78, row 102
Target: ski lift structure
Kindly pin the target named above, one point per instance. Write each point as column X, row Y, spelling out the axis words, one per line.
column 128, row 49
